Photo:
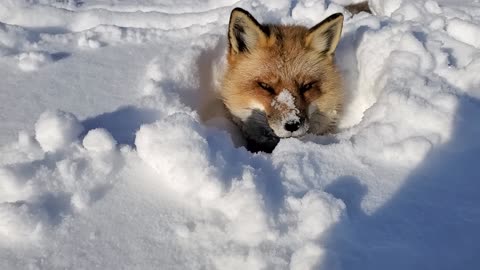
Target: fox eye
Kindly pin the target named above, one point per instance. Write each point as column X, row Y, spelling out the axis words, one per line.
column 266, row 87
column 305, row 87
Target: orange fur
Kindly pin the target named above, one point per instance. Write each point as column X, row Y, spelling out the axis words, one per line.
column 283, row 58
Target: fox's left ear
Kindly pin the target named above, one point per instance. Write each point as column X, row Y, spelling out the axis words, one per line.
column 244, row 32
column 324, row 36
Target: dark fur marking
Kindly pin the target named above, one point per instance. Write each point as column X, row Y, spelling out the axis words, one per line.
column 329, row 35
column 266, row 30
column 277, row 32
column 239, row 32
column 329, row 19
column 259, row 136
column 243, row 11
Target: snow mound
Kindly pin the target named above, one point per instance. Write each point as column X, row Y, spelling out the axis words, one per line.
column 56, row 129
column 19, row 224
column 99, row 140
column 464, row 31
column 175, row 149
column 30, row 61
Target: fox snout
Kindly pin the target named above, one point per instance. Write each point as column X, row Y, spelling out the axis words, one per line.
column 287, row 116
column 292, row 126
column 289, row 128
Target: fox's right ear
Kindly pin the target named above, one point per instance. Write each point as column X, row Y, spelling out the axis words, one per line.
column 324, row 36
column 244, row 32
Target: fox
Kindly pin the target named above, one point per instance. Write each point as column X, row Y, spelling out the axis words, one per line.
column 281, row 81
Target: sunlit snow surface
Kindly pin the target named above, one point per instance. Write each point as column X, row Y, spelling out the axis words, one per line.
column 114, row 154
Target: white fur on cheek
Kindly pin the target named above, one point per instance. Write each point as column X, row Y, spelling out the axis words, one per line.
column 256, row 106
column 244, row 113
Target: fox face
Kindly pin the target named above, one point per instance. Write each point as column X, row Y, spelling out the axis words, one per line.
column 281, row 81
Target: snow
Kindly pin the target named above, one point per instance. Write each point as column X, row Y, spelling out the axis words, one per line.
column 30, row 61
column 99, row 140
column 115, row 152
column 56, row 130
column 464, row 31
column 285, row 103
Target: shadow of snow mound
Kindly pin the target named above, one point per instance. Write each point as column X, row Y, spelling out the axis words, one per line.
column 123, row 123
column 351, row 191
column 433, row 214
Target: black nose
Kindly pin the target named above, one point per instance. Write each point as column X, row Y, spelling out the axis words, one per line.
column 292, row 126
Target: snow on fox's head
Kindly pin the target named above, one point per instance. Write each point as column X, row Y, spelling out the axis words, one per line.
column 285, row 72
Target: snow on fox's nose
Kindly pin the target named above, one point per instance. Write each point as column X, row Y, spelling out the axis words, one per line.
column 288, row 121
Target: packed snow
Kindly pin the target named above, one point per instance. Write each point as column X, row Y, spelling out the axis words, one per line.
column 115, row 152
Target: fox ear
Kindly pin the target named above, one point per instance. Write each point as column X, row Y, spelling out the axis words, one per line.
column 244, row 32
column 324, row 36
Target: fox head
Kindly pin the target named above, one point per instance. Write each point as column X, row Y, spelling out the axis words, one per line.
column 283, row 78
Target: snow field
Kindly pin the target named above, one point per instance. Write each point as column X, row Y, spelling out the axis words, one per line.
column 149, row 177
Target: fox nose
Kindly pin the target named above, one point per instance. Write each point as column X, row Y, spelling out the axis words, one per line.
column 292, row 126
